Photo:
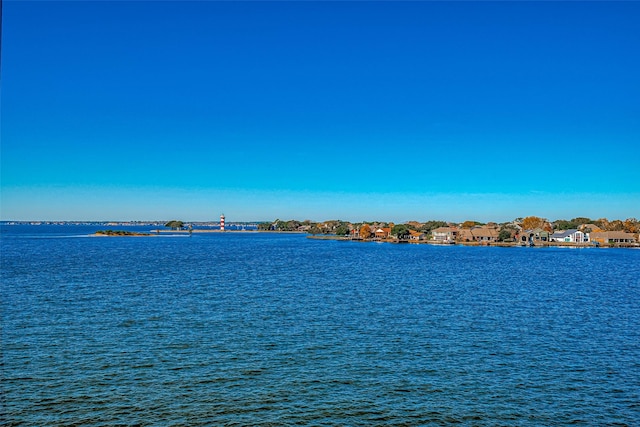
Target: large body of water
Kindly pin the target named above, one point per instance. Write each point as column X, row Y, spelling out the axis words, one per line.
column 245, row 329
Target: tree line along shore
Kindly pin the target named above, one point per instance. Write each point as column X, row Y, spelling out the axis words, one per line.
column 532, row 231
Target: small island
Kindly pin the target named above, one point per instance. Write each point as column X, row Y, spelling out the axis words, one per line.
column 119, row 233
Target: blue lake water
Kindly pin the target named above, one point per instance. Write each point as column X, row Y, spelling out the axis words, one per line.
column 276, row 329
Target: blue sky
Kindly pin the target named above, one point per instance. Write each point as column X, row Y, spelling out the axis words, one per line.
column 389, row 111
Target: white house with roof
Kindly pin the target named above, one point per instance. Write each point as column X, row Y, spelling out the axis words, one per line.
column 571, row 236
column 444, row 234
column 416, row 235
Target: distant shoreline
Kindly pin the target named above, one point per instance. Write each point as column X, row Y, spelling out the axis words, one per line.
column 224, row 231
column 158, row 232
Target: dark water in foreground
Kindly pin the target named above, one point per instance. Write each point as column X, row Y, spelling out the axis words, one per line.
column 264, row 329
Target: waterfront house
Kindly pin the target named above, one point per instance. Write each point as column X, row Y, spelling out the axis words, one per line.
column 533, row 236
column 571, row 236
column 612, row 237
column 382, row 233
column 485, row 234
column 444, row 234
column 416, row 235
column 465, row 235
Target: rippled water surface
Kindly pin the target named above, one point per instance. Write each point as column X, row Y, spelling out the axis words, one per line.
column 276, row 329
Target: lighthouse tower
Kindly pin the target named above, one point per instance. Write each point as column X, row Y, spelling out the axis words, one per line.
column 222, row 222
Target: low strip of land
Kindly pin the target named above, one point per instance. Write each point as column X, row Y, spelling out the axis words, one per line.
column 120, row 233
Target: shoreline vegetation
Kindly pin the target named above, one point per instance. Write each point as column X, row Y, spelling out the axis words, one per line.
column 530, row 231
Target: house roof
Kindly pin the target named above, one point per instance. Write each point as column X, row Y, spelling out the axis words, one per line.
column 464, row 233
column 612, row 235
column 484, row 232
column 444, row 230
column 564, row 233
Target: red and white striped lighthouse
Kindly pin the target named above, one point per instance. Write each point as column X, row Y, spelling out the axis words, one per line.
column 222, row 222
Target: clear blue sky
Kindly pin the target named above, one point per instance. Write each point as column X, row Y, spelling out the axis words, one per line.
column 396, row 111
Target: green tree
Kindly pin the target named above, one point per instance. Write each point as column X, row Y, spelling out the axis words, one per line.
column 342, row 230
column 174, row 224
column 562, row 224
column 401, row 231
column 292, row 225
column 581, row 220
column 315, row 230
column 504, row 235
